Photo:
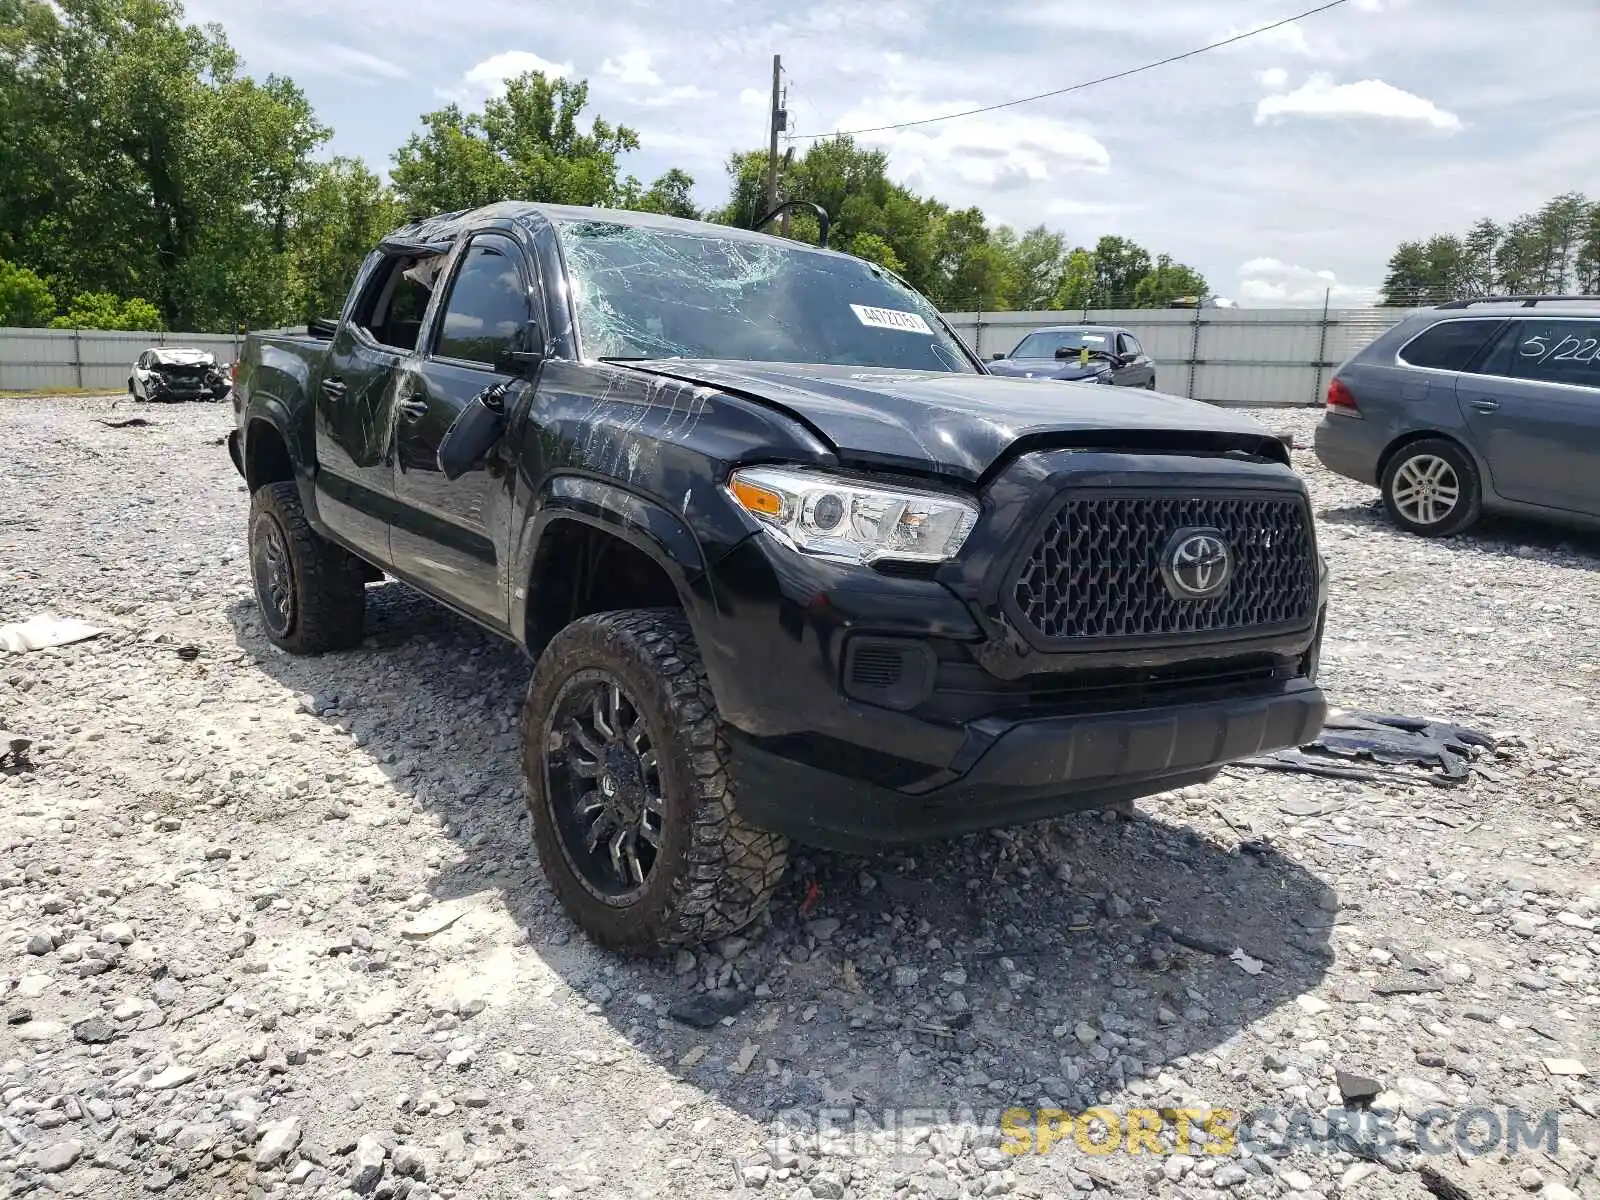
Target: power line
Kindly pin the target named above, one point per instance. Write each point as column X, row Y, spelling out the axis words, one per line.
column 1078, row 87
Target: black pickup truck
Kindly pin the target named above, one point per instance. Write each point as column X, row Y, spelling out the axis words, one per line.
column 789, row 561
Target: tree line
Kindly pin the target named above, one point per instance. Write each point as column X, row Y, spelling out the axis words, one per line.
column 1554, row 250
column 147, row 182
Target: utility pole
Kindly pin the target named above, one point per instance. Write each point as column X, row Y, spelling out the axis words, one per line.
column 777, row 122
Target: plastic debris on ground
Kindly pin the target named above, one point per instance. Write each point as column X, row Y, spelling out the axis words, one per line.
column 13, row 746
column 1350, row 736
column 44, row 631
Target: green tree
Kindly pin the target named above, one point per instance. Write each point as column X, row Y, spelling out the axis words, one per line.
column 668, row 195
column 1076, row 288
column 1119, row 265
column 1167, row 282
column 974, row 265
column 1429, row 272
column 25, row 300
column 1038, row 261
column 1587, row 262
column 853, row 187
column 101, row 310
column 1481, row 245
column 874, row 249
column 340, row 216
column 525, row 145
column 1554, row 249
column 135, row 159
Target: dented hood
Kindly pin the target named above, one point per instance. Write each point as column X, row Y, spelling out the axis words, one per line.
column 961, row 424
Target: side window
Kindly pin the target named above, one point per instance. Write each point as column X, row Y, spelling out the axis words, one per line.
column 1130, row 344
column 391, row 308
column 487, row 307
column 1551, row 349
column 1449, row 345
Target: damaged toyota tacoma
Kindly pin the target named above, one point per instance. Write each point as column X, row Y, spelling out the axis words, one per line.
column 788, row 561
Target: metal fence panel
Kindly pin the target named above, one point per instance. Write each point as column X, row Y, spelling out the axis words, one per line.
column 41, row 359
column 1225, row 355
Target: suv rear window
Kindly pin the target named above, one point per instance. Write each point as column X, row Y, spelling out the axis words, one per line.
column 1449, row 345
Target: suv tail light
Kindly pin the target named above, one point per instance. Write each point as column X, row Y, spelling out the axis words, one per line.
column 1341, row 397
column 233, row 371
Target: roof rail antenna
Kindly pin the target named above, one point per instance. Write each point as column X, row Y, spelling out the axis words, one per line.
column 823, row 220
column 1525, row 301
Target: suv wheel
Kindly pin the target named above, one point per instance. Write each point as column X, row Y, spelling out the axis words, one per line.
column 629, row 789
column 310, row 592
column 1431, row 488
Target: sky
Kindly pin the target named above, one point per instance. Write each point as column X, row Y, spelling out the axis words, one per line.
column 1283, row 167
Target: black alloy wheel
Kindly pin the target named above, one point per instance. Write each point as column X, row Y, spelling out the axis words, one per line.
column 273, row 574
column 604, row 785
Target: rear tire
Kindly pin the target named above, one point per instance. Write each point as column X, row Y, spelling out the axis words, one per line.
column 1431, row 488
column 652, row 778
column 309, row 592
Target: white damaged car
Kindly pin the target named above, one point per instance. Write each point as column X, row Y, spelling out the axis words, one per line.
column 178, row 373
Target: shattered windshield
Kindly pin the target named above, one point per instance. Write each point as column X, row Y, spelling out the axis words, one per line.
column 664, row 293
column 1045, row 343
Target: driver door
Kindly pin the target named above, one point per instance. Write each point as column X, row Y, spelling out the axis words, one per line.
column 450, row 536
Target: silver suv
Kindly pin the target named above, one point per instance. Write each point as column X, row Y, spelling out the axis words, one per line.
column 1476, row 406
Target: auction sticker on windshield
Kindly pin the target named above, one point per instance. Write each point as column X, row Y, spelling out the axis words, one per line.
column 890, row 318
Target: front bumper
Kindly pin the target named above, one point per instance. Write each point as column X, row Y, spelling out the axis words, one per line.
column 988, row 729
column 1029, row 770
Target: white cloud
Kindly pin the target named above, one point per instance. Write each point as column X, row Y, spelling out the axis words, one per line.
column 1273, row 77
column 488, row 77
column 1319, row 96
column 681, row 94
column 347, row 60
column 1004, row 151
column 1273, row 281
column 1059, row 207
column 1285, row 37
column 632, row 67
column 633, row 73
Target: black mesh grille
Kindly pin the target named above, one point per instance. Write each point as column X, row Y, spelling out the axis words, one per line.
column 1096, row 569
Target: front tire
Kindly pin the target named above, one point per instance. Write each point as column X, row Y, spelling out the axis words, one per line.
column 629, row 788
column 1431, row 488
column 309, row 592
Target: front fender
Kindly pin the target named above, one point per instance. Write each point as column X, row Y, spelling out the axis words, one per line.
column 644, row 524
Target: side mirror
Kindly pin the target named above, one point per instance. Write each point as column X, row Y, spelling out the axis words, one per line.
column 997, row 356
column 475, row 431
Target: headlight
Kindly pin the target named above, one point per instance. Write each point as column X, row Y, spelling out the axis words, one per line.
column 841, row 518
column 1103, row 377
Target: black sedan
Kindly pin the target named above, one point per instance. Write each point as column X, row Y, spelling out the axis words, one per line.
column 1089, row 353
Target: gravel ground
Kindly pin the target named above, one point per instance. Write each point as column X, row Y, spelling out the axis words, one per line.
column 272, row 927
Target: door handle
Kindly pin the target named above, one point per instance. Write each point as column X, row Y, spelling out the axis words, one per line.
column 412, row 408
column 333, row 386
column 1484, row 404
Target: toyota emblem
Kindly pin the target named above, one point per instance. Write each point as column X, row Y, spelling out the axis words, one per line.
column 1197, row 564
